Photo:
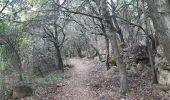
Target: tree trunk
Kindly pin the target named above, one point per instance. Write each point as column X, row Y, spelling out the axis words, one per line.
column 107, row 43
column 107, row 58
column 20, row 67
column 79, row 52
column 116, row 53
column 149, row 47
column 159, row 13
column 120, row 64
column 59, row 58
column 57, row 47
column 151, row 60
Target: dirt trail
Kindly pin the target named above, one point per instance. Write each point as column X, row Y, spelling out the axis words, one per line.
column 77, row 88
column 80, row 86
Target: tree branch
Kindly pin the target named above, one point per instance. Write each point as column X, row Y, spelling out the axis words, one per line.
column 6, row 4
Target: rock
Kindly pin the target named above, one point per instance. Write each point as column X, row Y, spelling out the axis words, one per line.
column 165, row 88
column 66, row 68
column 163, row 64
column 122, row 99
column 96, row 58
column 112, row 61
column 164, row 76
column 88, row 84
column 163, row 70
column 96, row 83
column 21, row 92
column 132, row 71
column 66, row 76
column 138, row 53
column 160, row 51
column 40, row 90
column 110, row 73
column 145, row 73
column 102, row 97
column 32, row 98
column 140, row 66
column 60, row 85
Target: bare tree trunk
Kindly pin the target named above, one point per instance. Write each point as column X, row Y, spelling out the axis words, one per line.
column 57, row 48
column 107, row 58
column 107, row 43
column 116, row 53
column 120, row 64
column 59, row 58
column 149, row 47
column 79, row 51
column 151, row 60
column 20, row 67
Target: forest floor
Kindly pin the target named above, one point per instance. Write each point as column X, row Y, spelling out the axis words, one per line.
column 76, row 87
column 88, row 82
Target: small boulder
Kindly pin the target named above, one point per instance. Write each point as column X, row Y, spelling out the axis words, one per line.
column 60, row 85
column 132, row 71
column 21, row 91
column 96, row 83
column 111, row 72
column 140, row 66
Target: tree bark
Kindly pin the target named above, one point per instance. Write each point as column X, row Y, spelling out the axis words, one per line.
column 116, row 53
column 120, row 64
column 57, row 48
column 59, row 58
column 107, row 58
column 149, row 47
column 107, row 43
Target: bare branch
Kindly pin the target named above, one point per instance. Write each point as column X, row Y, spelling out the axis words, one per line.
column 6, row 4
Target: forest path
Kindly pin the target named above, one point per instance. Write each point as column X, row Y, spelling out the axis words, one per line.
column 88, row 81
column 76, row 87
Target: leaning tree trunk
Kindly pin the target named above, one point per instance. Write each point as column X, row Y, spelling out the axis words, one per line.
column 160, row 14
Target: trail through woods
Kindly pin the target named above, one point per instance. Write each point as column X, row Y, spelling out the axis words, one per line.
column 76, row 87
column 88, row 82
